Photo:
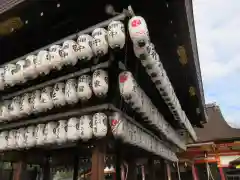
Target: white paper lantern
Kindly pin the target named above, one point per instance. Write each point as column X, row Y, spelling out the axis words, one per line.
column 15, row 107
column 175, row 111
column 16, row 139
column 46, row 98
column 71, row 91
column 152, row 59
column 139, row 133
column 69, row 52
column 84, row 89
column 138, row 31
column 58, row 95
column 40, row 132
column 156, row 72
column 116, row 34
column 117, row 125
column 4, row 112
column 162, row 81
column 6, row 108
column 21, row 138
column 51, row 129
column 100, row 125
column 143, row 52
column 129, row 138
column 85, row 127
column 43, row 62
column 3, row 140
column 31, row 136
column 56, row 59
column 29, row 70
column 12, row 139
column 26, row 104
column 144, row 140
column 2, row 81
column 85, row 47
column 142, row 106
column 136, row 98
column 72, row 133
column 62, row 131
column 134, row 142
column 153, row 65
column 99, row 43
column 36, row 101
column 100, row 83
column 154, row 115
column 18, row 72
column 147, row 110
column 130, row 90
column 168, row 96
column 148, row 55
column 8, row 74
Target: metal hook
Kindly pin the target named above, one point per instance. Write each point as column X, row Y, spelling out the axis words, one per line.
column 130, row 11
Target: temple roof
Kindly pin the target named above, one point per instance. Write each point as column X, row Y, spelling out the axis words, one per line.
column 216, row 129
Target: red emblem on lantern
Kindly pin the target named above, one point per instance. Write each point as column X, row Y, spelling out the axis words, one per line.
column 114, row 122
column 136, row 22
column 122, row 78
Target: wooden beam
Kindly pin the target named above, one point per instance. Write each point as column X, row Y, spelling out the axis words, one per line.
column 98, row 164
column 16, row 171
column 46, row 169
column 76, row 165
column 18, row 168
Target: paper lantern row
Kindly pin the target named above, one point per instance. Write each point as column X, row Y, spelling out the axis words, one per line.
column 84, row 48
column 69, row 53
column 137, row 136
column 141, row 103
column 151, row 61
column 83, row 128
column 58, row 95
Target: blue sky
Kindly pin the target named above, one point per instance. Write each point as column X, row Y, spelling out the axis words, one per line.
column 218, row 34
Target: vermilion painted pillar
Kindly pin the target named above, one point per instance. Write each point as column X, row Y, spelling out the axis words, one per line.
column 220, row 168
column 18, row 168
column 194, row 172
column 221, row 173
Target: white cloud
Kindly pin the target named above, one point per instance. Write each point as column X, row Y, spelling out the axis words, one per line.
column 217, row 27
